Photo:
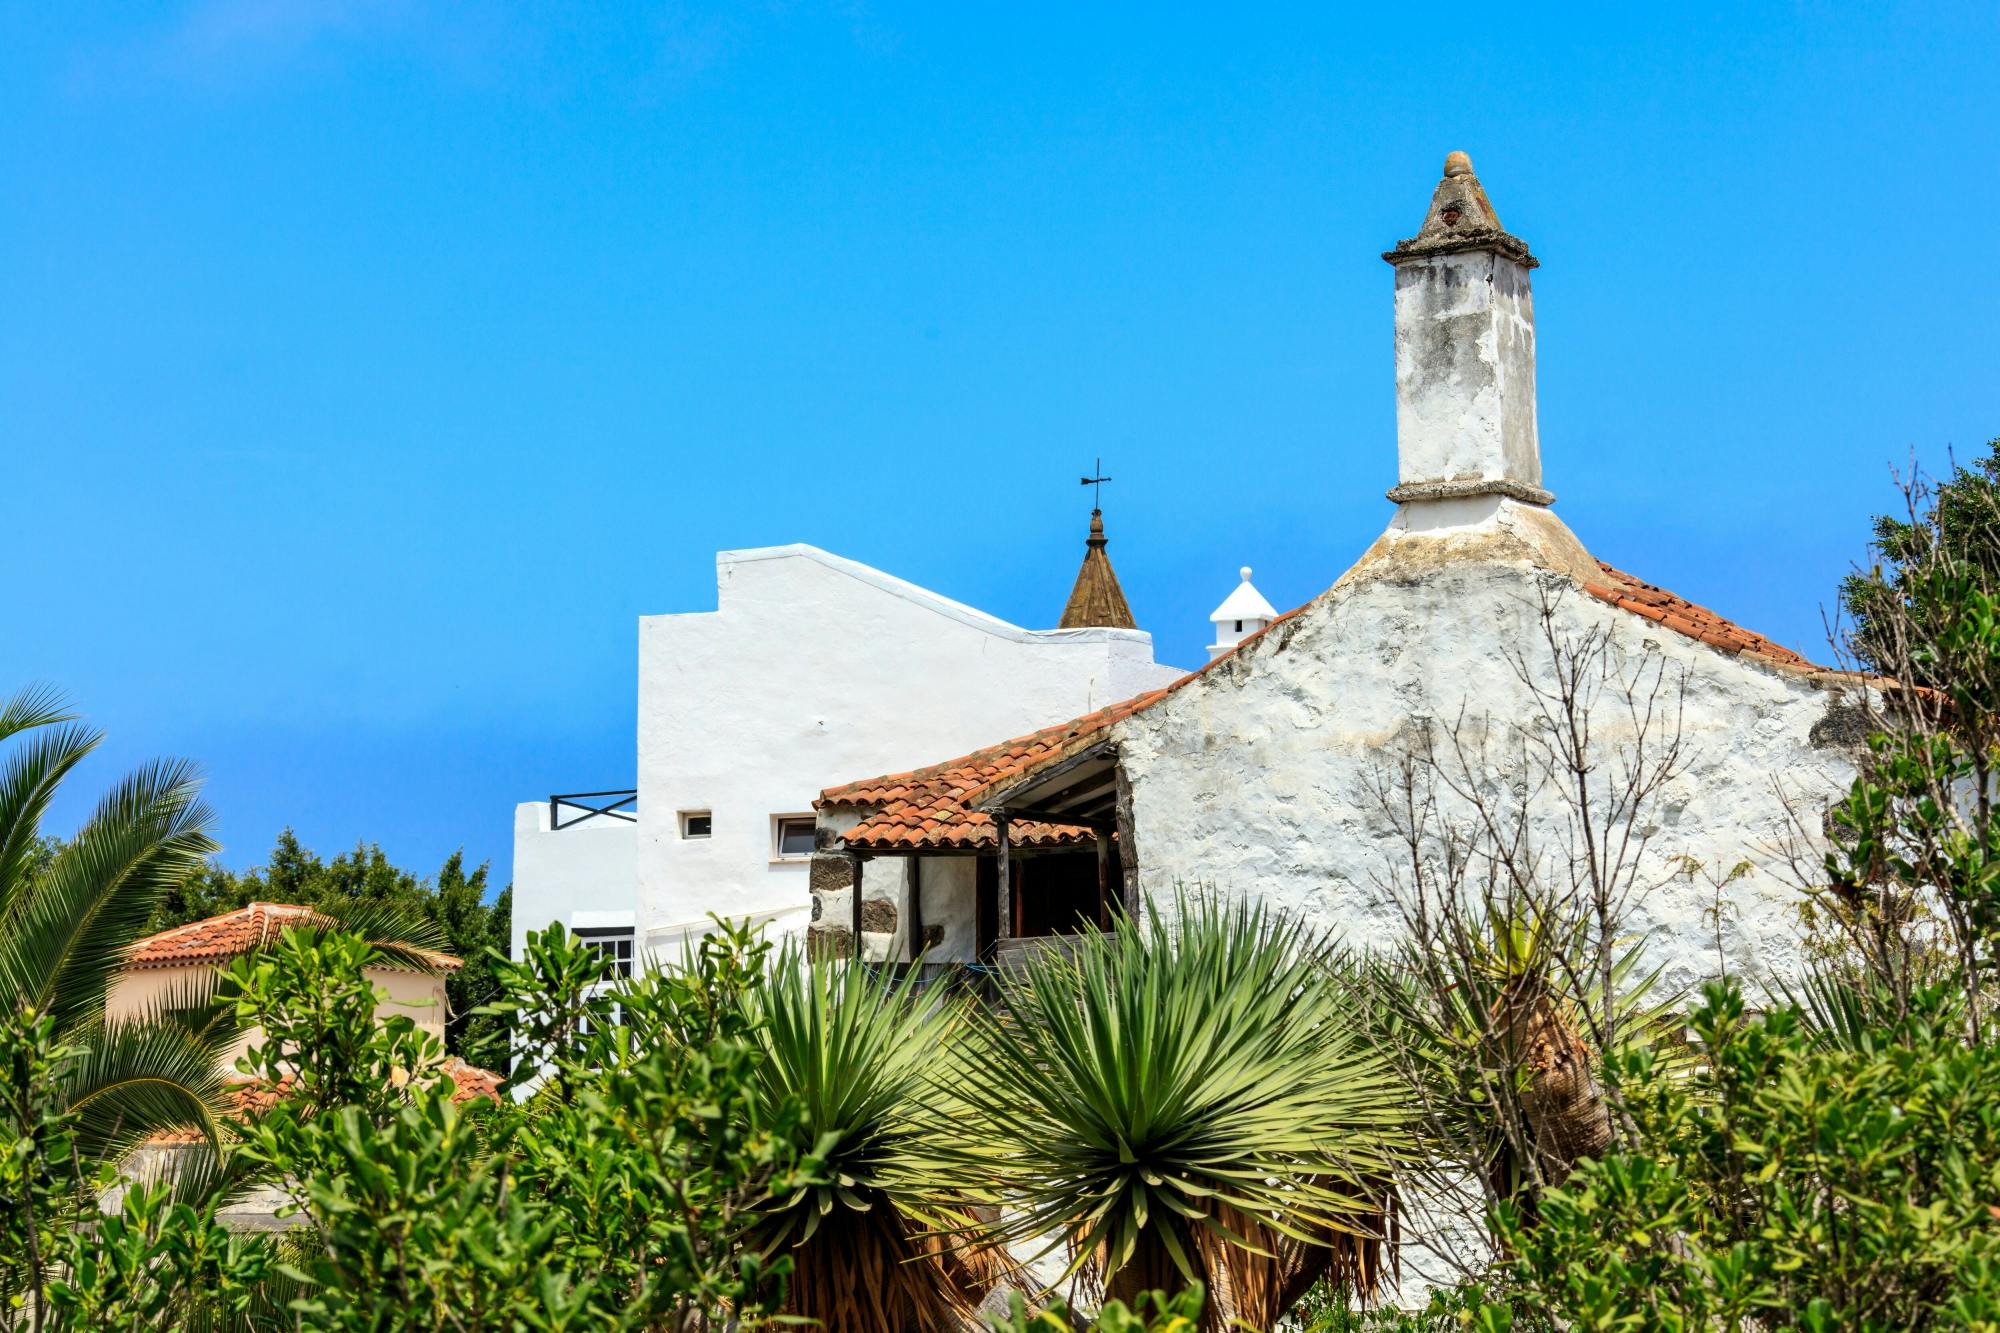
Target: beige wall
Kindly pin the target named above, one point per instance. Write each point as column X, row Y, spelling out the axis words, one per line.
column 139, row 991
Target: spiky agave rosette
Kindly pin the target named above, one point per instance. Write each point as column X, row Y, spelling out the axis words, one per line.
column 874, row 1242
column 1190, row 1098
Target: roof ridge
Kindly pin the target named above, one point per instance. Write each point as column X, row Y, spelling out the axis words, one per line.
column 238, row 931
column 914, row 813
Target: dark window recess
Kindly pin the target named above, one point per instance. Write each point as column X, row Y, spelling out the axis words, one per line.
column 695, row 823
column 1239, row 627
column 795, row 837
column 613, row 945
column 1058, row 892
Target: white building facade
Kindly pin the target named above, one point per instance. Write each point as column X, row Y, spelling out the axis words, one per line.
column 811, row 667
column 1262, row 774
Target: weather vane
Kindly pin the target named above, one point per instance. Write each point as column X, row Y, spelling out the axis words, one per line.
column 1097, row 496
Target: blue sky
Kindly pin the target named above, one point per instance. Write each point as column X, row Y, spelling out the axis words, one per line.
column 367, row 368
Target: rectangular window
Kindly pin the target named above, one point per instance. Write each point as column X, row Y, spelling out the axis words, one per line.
column 791, row 837
column 613, row 944
column 694, row 823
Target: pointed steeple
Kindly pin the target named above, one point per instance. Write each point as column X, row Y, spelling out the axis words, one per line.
column 1096, row 601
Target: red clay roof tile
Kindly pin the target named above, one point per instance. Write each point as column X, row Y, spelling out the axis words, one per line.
column 251, row 1096
column 928, row 808
column 217, row 939
column 1629, row 593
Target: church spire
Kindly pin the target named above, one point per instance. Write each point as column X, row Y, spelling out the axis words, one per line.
column 1096, row 600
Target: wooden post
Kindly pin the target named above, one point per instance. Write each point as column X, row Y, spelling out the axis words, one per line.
column 1010, row 911
column 913, row 909
column 1103, row 877
column 856, row 856
column 1128, row 846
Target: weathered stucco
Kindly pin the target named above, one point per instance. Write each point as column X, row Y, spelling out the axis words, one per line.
column 1257, row 777
column 1465, row 371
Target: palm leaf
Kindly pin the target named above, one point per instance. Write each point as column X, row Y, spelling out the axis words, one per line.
column 137, row 1079
column 28, row 782
column 68, row 940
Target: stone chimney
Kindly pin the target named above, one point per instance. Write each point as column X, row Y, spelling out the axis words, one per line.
column 1465, row 353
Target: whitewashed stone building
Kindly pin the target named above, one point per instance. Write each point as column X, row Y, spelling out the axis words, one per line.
column 1259, row 774
column 810, row 666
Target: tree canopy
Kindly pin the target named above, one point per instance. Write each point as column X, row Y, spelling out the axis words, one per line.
column 453, row 901
column 1955, row 523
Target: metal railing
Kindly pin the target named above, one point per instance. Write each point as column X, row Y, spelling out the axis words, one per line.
column 610, row 805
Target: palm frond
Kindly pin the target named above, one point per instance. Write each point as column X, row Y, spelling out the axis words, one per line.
column 28, row 782
column 137, row 1079
column 31, row 707
column 69, row 938
column 402, row 940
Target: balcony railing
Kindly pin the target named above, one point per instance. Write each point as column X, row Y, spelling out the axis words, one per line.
column 569, row 809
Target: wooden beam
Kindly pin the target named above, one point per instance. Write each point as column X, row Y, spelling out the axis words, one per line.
column 1103, row 882
column 913, row 910
column 858, row 863
column 1010, row 911
column 1128, row 844
column 996, row 800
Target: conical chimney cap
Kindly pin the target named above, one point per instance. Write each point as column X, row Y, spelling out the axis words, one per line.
column 1461, row 218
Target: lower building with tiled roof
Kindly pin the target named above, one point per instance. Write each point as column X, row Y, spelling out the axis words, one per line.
column 164, row 968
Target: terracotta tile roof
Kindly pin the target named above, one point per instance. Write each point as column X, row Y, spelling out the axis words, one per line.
column 928, row 808
column 1632, row 594
column 246, row 1097
column 217, row 939
column 925, row 809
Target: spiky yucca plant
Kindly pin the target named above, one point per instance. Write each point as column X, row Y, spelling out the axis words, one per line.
column 871, row 1243
column 1190, row 1100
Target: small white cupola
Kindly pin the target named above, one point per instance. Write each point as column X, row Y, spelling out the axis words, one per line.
column 1242, row 613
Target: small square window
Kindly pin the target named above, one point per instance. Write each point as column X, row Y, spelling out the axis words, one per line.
column 613, row 946
column 792, row 837
column 695, row 823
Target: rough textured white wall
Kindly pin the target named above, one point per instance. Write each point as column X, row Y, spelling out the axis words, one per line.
column 1465, row 371
column 1254, row 779
column 580, row 876
column 815, row 670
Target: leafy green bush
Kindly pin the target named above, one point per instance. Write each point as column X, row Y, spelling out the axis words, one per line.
column 1795, row 1181
column 1150, row 1312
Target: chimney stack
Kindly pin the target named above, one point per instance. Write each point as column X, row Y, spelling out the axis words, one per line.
column 1465, row 353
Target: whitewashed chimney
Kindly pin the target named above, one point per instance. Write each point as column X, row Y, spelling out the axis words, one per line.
column 1243, row 613
column 1465, row 352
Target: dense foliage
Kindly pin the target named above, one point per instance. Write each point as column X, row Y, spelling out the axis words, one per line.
column 622, row 1206
column 69, row 909
column 1952, row 525
column 452, row 905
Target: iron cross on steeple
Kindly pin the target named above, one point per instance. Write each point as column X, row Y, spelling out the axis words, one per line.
column 1097, row 496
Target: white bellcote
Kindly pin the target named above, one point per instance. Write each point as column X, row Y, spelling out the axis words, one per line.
column 1465, row 353
column 1243, row 613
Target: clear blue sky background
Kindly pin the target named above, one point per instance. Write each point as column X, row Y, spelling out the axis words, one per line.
column 366, row 368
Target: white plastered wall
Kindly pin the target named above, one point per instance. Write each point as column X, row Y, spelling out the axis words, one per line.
column 1254, row 779
column 815, row 670
column 140, row 991
column 579, row 876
